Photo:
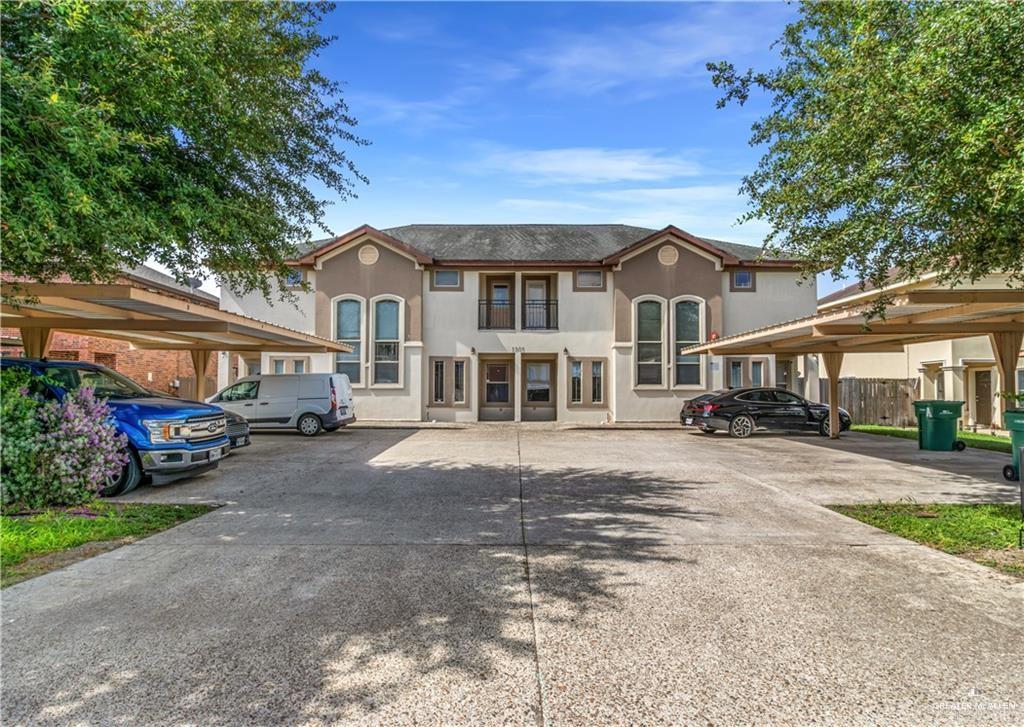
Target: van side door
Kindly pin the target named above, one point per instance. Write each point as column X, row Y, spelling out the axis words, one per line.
column 240, row 398
column 277, row 401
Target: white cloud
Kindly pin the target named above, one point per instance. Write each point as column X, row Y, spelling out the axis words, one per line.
column 545, row 205
column 587, row 165
column 414, row 115
column 635, row 59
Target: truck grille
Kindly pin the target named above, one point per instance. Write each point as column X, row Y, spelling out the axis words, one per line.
column 205, row 428
column 236, row 429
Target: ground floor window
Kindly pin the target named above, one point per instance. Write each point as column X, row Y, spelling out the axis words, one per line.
column 576, row 382
column 735, row 374
column 596, row 382
column 586, row 382
column 459, row 383
column 438, row 383
column 538, row 382
column 757, row 373
column 496, row 383
column 447, row 381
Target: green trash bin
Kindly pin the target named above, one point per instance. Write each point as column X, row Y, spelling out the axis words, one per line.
column 936, row 425
column 1013, row 419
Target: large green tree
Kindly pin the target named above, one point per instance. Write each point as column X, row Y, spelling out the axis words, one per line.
column 895, row 139
column 186, row 132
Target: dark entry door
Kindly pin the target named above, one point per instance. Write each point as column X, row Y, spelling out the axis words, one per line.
column 983, row 397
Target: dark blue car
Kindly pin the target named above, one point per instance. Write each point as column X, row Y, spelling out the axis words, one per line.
column 167, row 438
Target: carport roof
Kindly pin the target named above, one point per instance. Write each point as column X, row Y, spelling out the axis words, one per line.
column 914, row 313
column 151, row 319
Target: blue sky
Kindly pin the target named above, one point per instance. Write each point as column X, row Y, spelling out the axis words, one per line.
column 550, row 112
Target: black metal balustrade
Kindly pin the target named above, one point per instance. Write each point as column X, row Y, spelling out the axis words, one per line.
column 496, row 314
column 537, row 315
column 540, row 314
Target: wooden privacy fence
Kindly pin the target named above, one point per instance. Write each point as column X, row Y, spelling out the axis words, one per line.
column 187, row 390
column 876, row 401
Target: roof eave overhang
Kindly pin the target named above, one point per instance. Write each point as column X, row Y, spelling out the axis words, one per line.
column 364, row 231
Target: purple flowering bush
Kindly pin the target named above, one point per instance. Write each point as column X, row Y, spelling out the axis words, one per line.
column 55, row 453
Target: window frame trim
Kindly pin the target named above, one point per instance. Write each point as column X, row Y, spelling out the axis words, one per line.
column 664, row 385
column 577, row 288
column 702, row 331
column 457, row 288
column 373, row 339
column 733, row 288
column 586, row 382
column 363, row 383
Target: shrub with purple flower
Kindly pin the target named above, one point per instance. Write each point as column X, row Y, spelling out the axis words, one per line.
column 55, row 452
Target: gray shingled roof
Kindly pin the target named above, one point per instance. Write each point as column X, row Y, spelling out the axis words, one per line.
column 146, row 273
column 518, row 242
column 528, row 242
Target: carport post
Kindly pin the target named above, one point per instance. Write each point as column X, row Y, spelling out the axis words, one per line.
column 1006, row 348
column 35, row 341
column 200, row 360
column 833, row 364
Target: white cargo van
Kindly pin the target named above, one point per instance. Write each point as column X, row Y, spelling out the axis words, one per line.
column 309, row 402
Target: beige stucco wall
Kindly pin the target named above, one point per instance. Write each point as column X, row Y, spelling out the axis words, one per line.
column 779, row 296
column 450, row 328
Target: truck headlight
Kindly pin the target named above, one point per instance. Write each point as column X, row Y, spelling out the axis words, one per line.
column 166, row 430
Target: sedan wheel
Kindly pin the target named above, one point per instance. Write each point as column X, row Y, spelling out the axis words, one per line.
column 309, row 424
column 741, row 426
column 825, row 428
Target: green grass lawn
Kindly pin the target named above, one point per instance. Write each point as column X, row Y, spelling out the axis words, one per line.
column 980, row 441
column 34, row 544
column 984, row 533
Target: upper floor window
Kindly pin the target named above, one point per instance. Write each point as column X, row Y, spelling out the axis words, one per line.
column 649, row 339
column 294, row 278
column 348, row 318
column 589, row 280
column 742, row 280
column 688, row 324
column 386, row 341
column 447, row 279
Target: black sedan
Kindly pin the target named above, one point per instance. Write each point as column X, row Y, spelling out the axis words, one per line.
column 742, row 411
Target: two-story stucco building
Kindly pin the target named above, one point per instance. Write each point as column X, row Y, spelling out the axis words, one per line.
column 573, row 323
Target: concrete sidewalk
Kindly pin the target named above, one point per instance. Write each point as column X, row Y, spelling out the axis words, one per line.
column 517, row 576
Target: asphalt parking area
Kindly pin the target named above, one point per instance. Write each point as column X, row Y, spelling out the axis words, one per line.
column 526, row 576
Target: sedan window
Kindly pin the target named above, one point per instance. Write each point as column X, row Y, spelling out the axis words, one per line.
column 759, row 396
column 784, row 397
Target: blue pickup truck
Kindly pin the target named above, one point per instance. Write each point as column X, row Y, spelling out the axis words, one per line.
column 167, row 438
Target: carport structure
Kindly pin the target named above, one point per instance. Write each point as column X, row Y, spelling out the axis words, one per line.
column 148, row 319
column 912, row 314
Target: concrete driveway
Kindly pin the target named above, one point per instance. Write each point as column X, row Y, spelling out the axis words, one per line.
column 530, row 576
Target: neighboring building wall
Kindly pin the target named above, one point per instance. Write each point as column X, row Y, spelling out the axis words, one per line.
column 157, row 370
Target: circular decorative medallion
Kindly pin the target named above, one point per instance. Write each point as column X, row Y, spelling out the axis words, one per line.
column 368, row 254
column 668, row 255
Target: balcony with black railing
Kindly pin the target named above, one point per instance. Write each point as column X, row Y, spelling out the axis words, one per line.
column 540, row 315
column 497, row 315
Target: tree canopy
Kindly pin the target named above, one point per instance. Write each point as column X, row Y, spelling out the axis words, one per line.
column 186, row 132
column 895, row 139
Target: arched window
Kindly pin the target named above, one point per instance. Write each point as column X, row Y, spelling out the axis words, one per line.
column 348, row 328
column 387, row 332
column 688, row 317
column 650, row 333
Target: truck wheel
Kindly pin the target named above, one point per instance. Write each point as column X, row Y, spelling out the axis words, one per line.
column 127, row 480
column 309, row 424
